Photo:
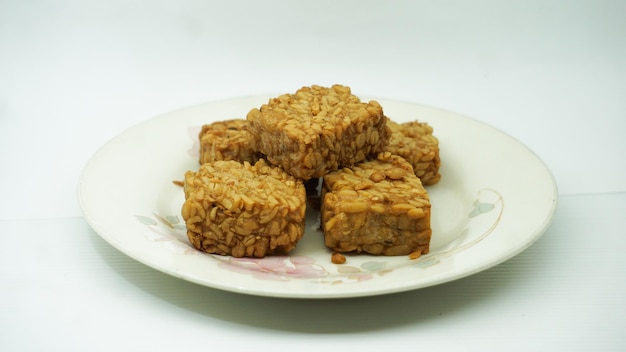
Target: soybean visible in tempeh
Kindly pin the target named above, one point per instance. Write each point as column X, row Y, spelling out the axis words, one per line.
column 317, row 130
column 243, row 210
column 378, row 207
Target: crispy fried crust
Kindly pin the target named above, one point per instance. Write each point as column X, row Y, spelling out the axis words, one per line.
column 317, row 130
column 378, row 207
column 226, row 140
column 240, row 209
column 415, row 142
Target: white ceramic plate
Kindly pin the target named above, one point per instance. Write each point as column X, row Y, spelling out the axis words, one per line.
column 494, row 200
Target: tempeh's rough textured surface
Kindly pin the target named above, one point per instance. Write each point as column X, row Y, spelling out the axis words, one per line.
column 226, row 140
column 240, row 209
column 318, row 129
column 377, row 207
column 415, row 142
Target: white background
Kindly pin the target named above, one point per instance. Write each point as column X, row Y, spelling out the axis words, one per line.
column 74, row 74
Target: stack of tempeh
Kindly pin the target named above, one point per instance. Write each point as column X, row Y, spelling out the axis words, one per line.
column 248, row 198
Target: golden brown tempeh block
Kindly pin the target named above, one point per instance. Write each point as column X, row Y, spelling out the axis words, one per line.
column 317, row 130
column 226, row 140
column 240, row 209
column 415, row 142
column 378, row 207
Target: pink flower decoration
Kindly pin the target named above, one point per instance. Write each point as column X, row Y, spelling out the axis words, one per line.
column 279, row 268
column 194, row 131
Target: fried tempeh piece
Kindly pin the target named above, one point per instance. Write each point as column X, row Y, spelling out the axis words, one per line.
column 378, row 207
column 240, row 209
column 317, row 130
column 415, row 142
column 226, row 140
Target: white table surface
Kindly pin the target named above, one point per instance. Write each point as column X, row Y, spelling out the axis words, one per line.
column 75, row 74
